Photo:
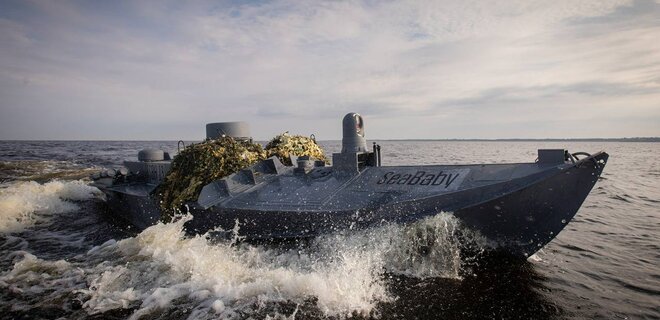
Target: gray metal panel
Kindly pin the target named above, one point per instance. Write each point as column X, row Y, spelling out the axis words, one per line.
column 155, row 171
column 324, row 189
column 135, row 167
column 551, row 156
column 344, row 163
column 291, row 191
column 138, row 190
column 212, row 194
column 224, row 189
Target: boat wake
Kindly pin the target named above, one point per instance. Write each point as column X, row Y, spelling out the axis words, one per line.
column 24, row 204
column 163, row 273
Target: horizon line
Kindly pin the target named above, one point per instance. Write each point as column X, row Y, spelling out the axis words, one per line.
column 623, row 139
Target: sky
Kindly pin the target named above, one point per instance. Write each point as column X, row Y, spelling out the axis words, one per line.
column 161, row 70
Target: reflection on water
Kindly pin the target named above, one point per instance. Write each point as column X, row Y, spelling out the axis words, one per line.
column 496, row 288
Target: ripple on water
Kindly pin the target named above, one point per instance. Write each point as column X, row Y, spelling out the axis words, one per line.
column 49, row 268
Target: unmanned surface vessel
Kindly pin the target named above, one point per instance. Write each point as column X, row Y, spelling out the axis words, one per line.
column 518, row 206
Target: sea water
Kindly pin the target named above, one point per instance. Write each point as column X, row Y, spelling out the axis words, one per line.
column 62, row 256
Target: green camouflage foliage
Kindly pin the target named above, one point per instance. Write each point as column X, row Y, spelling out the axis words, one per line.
column 199, row 164
column 202, row 163
column 284, row 145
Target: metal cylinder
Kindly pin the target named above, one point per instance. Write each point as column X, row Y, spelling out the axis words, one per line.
column 353, row 136
column 151, row 155
column 237, row 130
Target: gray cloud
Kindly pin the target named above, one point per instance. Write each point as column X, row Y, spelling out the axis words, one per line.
column 637, row 14
column 158, row 70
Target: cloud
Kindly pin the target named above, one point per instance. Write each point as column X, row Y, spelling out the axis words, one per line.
column 160, row 70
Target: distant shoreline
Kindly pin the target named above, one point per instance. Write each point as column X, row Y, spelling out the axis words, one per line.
column 649, row 139
column 636, row 139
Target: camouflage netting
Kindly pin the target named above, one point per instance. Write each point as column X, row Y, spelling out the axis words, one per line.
column 285, row 145
column 199, row 164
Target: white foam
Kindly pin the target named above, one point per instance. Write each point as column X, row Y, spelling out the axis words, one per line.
column 342, row 272
column 537, row 257
column 38, row 281
column 339, row 274
column 25, row 203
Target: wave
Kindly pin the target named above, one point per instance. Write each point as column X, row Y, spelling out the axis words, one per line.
column 161, row 269
column 43, row 170
column 23, row 204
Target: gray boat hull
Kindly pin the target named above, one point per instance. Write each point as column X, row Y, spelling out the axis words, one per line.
column 520, row 207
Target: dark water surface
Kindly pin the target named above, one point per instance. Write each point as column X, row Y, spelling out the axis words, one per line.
column 60, row 257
